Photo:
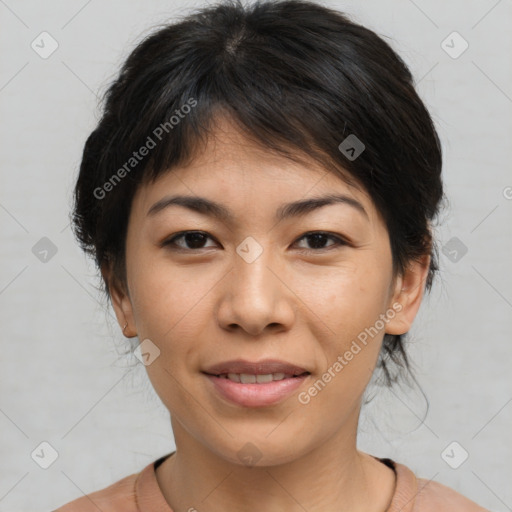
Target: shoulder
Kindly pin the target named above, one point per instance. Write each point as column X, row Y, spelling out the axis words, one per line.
column 118, row 497
column 436, row 496
column 413, row 494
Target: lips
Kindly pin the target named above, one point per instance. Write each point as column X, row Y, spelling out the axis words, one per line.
column 255, row 384
column 265, row 367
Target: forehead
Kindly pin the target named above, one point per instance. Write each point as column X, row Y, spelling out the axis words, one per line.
column 231, row 168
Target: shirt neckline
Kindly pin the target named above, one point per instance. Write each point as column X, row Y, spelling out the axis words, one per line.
column 149, row 497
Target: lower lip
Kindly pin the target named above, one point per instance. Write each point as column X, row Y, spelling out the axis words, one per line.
column 256, row 395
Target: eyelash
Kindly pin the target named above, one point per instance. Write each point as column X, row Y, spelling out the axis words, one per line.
column 171, row 242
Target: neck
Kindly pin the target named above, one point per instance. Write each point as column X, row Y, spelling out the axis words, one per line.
column 334, row 476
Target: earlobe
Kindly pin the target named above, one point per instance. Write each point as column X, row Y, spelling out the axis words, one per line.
column 408, row 293
column 120, row 300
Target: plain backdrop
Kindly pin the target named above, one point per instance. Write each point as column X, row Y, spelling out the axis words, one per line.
column 64, row 380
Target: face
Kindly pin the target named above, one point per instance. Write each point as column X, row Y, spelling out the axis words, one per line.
column 301, row 288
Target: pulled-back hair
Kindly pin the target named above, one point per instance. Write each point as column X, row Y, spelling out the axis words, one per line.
column 297, row 78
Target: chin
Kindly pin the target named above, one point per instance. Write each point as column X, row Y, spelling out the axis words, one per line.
column 256, row 452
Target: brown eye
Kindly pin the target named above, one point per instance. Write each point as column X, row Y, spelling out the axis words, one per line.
column 189, row 240
column 317, row 240
column 195, row 240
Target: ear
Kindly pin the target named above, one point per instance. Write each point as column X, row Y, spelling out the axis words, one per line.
column 120, row 301
column 409, row 288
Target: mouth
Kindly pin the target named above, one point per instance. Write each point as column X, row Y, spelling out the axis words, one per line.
column 259, row 384
column 251, row 378
column 247, row 369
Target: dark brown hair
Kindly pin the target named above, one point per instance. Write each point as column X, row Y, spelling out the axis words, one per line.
column 297, row 78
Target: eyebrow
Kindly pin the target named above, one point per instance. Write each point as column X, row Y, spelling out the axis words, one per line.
column 211, row 208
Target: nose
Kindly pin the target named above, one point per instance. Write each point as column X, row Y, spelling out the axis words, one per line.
column 256, row 296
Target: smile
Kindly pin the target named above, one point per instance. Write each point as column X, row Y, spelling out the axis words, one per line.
column 249, row 390
column 247, row 378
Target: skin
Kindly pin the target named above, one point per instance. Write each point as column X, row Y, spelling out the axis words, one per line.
column 296, row 303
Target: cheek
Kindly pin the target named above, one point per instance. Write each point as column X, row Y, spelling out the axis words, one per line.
column 347, row 306
column 346, row 300
column 173, row 309
column 167, row 307
column 164, row 296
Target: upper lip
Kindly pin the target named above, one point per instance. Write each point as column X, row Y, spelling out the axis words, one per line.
column 264, row 367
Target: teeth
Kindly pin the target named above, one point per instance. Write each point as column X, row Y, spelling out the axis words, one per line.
column 246, row 378
column 264, row 378
column 278, row 376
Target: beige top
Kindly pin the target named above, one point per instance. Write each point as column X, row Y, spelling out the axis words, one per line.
column 140, row 493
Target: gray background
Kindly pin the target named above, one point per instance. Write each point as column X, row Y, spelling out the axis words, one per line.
column 63, row 377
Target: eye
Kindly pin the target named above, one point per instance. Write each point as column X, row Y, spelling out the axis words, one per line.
column 318, row 239
column 195, row 239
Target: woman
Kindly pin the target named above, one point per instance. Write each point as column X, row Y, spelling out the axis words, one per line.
column 258, row 196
